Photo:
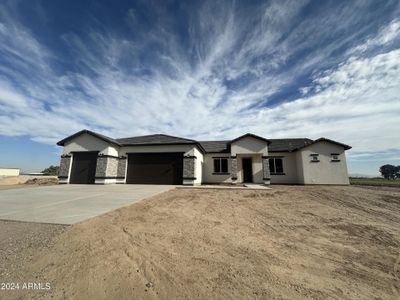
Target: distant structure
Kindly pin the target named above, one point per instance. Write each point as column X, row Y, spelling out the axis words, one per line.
column 9, row 172
column 33, row 174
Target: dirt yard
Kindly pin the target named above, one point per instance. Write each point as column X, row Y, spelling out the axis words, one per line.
column 15, row 182
column 286, row 243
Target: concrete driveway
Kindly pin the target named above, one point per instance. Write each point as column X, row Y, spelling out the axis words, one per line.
column 69, row 204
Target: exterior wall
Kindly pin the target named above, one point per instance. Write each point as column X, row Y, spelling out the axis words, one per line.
column 256, row 165
column 325, row 171
column 199, row 166
column 87, row 142
column 249, row 145
column 122, row 169
column 9, row 172
column 300, row 168
column 289, row 168
column 107, row 169
column 65, row 168
column 208, row 169
column 266, row 172
column 234, row 168
column 189, row 168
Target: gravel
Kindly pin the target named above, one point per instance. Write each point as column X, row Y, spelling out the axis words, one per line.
column 19, row 241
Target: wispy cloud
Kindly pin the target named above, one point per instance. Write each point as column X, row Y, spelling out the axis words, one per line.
column 335, row 73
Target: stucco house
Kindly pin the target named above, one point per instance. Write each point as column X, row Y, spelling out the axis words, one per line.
column 89, row 157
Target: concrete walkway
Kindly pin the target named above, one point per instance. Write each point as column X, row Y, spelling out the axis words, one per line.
column 250, row 186
column 69, row 204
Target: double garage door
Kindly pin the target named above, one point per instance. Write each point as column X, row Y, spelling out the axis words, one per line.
column 143, row 168
column 155, row 168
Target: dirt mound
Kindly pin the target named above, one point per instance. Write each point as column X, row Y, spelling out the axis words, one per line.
column 27, row 179
column 42, row 181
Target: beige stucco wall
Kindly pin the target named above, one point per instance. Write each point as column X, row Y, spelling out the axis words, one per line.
column 208, row 169
column 325, row 171
column 248, row 145
column 299, row 167
column 289, row 168
column 9, row 172
column 199, row 166
column 87, row 142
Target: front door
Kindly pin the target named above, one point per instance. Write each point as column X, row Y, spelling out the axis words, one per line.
column 247, row 170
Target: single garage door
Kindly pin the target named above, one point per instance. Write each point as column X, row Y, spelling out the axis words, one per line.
column 155, row 168
column 83, row 168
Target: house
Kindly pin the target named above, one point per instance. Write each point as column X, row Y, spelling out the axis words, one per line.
column 89, row 157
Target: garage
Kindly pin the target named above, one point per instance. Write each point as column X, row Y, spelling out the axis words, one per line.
column 83, row 169
column 155, row 168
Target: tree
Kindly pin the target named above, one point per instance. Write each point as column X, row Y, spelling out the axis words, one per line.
column 389, row 171
column 397, row 172
column 51, row 171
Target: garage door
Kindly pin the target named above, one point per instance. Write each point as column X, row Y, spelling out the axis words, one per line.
column 155, row 168
column 83, row 168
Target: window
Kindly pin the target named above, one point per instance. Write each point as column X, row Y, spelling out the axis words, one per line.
column 314, row 157
column 276, row 165
column 221, row 165
column 335, row 156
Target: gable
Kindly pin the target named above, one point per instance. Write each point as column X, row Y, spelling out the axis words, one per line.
column 323, row 148
column 249, row 144
column 88, row 142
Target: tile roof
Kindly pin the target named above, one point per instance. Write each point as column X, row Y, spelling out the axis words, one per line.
column 275, row 145
column 284, row 145
column 216, row 146
column 154, row 139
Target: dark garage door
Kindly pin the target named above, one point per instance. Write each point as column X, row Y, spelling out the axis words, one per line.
column 83, row 167
column 155, row 168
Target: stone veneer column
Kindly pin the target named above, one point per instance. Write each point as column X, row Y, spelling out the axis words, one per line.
column 101, row 167
column 266, row 173
column 121, row 173
column 189, row 169
column 63, row 172
column 234, row 169
column 106, row 168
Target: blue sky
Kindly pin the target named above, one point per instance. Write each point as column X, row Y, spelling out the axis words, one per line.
column 200, row 69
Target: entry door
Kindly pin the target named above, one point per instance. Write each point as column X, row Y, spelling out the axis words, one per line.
column 83, row 169
column 247, row 170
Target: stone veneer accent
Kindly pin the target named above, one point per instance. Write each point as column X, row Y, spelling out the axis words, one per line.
column 233, row 168
column 101, row 166
column 107, row 166
column 64, row 166
column 266, row 173
column 189, row 166
column 122, row 166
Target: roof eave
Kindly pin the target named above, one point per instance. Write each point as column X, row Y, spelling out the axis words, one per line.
column 250, row 135
column 322, row 139
column 94, row 134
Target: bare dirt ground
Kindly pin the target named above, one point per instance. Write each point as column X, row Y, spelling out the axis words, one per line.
column 14, row 182
column 290, row 242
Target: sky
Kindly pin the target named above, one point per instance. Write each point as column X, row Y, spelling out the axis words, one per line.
column 200, row 69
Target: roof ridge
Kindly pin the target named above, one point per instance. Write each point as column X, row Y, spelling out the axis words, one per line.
column 156, row 134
